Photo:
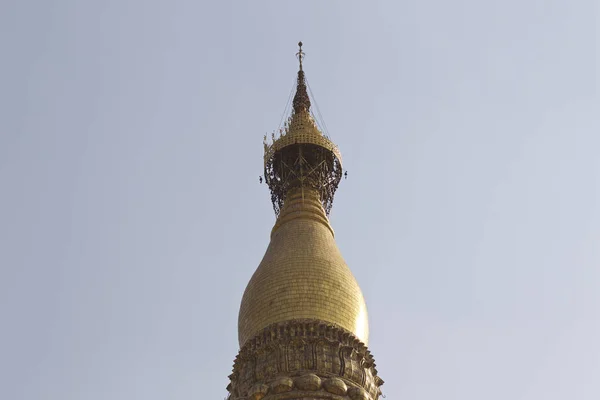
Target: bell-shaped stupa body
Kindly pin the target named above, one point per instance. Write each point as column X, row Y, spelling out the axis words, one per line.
column 302, row 275
column 303, row 326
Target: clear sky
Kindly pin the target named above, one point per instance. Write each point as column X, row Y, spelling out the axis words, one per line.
column 131, row 217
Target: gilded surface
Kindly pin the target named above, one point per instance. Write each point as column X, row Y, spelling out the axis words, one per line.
column 301, row 129
column 302, row 326
column 302, row 275
column 304, row 359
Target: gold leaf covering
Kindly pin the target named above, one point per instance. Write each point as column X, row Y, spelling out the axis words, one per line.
column 301, row 129
column 302, row 275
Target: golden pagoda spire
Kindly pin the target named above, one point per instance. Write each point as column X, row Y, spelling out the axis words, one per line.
column 301, row 99
column 302, row 156
column 302, row 326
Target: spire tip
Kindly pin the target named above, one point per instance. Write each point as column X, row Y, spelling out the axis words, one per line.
column 300, row 54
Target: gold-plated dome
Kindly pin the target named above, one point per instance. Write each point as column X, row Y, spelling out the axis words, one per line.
column 302, row 275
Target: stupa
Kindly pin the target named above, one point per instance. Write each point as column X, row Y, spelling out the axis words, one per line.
column 303, row 326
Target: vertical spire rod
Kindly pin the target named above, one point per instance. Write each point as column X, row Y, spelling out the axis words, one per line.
column 300, row 54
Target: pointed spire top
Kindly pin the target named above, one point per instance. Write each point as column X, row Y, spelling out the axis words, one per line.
column 301, row 100
column 300, row 54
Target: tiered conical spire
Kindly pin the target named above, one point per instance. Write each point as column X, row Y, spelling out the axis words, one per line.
column 303, row 326
column 301, row 100
column 302, row 157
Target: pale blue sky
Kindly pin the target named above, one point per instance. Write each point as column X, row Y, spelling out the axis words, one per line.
column 131, row 217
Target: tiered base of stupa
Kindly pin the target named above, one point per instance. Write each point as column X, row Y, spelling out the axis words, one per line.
column 304, row 359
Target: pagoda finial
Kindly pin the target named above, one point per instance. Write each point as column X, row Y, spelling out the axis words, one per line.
column 302, row 158
column 300, row 54
column 301, row 99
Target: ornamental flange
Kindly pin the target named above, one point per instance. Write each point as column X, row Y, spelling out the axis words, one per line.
column 290, row 359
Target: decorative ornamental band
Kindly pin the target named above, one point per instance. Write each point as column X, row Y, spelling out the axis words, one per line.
column 304, row 133
column 300, row 355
